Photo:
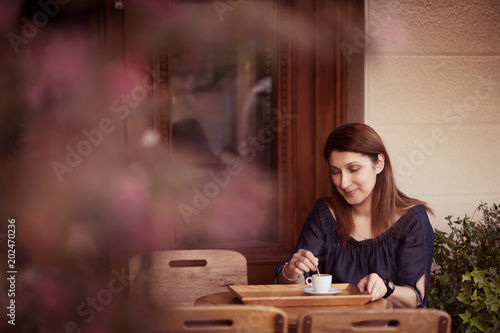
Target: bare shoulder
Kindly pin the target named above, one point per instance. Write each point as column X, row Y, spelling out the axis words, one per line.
column 331, row 211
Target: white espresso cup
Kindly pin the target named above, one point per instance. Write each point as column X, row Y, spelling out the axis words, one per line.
column 320, row 282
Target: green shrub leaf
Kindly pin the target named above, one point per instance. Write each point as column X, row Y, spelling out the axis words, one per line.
column 465, row 316
column 465, row 281
column 475, row 323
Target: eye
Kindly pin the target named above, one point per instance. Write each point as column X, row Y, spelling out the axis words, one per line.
column 334, row 172
column 354, row 169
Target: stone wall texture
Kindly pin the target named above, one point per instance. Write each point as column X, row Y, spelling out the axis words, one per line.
column 432, row 91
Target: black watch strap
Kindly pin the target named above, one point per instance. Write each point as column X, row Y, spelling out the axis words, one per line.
column 390, row 287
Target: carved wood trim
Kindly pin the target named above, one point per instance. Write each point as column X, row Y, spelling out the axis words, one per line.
column 162, row 97
column 285, row 148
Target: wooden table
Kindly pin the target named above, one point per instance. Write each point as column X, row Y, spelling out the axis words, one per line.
column 294, row 311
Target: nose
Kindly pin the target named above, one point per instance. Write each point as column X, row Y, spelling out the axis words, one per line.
column 345, row 181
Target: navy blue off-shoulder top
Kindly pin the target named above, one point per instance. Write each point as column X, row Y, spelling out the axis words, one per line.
column 403, row 253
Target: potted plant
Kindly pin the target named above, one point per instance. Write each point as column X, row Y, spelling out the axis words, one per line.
column 465, row 279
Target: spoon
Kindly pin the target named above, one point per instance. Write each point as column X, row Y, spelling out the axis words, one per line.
column 317, row 270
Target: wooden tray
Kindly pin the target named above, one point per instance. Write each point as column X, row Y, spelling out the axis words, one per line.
column 292, row 295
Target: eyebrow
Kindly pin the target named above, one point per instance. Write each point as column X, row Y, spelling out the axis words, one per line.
column 348, row 164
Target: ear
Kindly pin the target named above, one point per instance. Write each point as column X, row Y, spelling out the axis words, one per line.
column 380, row 164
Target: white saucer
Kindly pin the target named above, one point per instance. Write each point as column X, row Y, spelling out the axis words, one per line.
column 310, row 290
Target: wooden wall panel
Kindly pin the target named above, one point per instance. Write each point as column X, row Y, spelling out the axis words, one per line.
column 305, row 105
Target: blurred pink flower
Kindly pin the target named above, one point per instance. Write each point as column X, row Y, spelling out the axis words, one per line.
column 124, row 74
column 95, row 327
column 52, row 293
column 60, row 69
column 9, row 14
column 133, row 203
column 37, row 236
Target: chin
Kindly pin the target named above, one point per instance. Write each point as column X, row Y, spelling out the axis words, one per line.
column 351, row 201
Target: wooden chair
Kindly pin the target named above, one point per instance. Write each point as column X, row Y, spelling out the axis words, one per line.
column 375, row 321
column 179, row 277
column 224, row 318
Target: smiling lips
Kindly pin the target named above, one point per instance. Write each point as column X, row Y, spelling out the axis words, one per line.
column 350, row 193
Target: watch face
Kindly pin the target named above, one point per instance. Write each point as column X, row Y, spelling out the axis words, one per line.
column 390, row 288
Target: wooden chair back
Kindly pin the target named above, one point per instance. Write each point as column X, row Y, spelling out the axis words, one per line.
column 179, row 277
column 223, row 318
column 375, row 321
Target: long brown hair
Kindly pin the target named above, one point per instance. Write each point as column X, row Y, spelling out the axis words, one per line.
column 386, row 199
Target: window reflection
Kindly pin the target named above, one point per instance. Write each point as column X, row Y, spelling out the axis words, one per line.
column 221, row 76
column 221, row 90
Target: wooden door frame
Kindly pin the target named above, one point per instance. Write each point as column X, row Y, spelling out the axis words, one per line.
column 314, row 86
column 283, row 108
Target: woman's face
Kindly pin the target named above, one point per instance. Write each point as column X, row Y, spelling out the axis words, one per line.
column 354, row 176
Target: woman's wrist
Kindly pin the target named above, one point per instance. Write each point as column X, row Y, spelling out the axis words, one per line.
column 389, row 286
column 288, row 277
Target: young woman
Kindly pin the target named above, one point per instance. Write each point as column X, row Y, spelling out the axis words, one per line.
column 368, row 233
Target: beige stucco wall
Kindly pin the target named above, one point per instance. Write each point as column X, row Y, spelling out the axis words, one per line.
column 432, row 91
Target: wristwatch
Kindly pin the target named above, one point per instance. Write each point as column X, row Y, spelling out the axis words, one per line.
column 390, row 287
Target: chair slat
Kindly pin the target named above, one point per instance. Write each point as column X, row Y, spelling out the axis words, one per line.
column 224, row 318
column 375, row 321
column 179, row 277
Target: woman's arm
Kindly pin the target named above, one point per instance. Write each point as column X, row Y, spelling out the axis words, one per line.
column 405, row 297
column 312, row 238
column 402, row 297
column 414, row 258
